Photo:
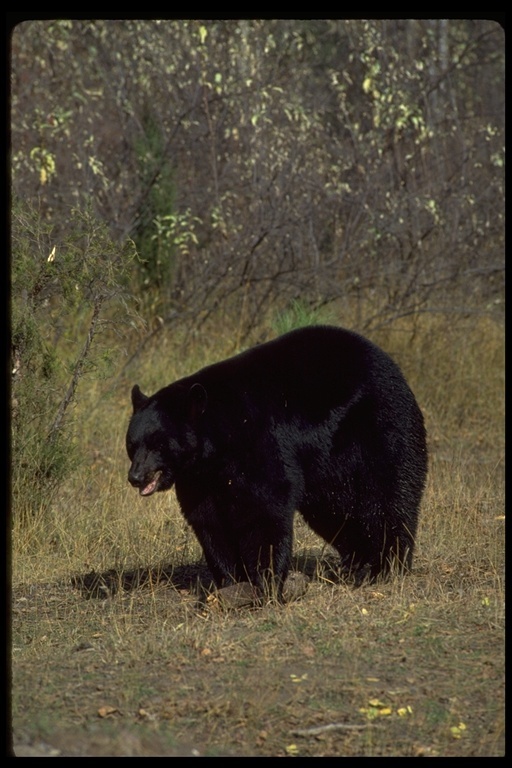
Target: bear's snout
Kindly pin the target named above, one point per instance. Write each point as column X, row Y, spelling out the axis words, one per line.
column 139, row 476
column 147, row 483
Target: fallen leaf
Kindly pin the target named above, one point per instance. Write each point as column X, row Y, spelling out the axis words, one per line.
column 297, row 679
column 106, row 711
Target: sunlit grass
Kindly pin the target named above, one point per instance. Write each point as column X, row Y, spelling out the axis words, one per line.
column 98, row 521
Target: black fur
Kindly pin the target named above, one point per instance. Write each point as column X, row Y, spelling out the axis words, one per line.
column 319, row 420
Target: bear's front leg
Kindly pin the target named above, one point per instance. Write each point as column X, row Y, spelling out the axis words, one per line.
column 220, row 551
column 265, row 553
column 212, row 530
column 242, row 540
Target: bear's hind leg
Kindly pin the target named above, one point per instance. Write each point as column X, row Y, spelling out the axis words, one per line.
column 370, row 554
column 361, row 550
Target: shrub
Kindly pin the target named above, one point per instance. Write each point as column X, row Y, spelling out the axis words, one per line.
column 65, row 296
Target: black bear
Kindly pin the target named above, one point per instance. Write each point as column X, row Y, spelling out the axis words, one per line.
column 319, row 421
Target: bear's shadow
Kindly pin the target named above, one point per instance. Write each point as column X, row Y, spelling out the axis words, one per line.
column 194, row 577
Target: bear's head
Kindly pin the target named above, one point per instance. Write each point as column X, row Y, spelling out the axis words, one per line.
column 162, row 437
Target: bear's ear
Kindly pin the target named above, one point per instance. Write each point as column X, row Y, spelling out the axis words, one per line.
column 197, row 398
column 138, row 399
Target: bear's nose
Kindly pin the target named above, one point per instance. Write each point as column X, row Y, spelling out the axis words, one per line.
column 135, row 477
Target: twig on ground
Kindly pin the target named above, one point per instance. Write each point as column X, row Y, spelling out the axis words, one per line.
column 331, row 727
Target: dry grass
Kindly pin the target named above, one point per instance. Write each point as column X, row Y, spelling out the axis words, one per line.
column 142, row 665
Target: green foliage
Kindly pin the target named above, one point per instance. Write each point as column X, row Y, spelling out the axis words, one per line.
column 158, row 196
column 299, row 314
column 65, row 295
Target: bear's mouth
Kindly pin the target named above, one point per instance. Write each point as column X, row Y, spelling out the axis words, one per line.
column 152, row 486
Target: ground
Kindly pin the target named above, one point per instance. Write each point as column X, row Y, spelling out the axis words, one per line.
column 142, row 664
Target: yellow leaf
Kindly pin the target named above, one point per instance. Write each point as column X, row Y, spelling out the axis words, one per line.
column 297, row 679
column 106, row 711
column 457, row 730
column 292, row 749
column 203, row 32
